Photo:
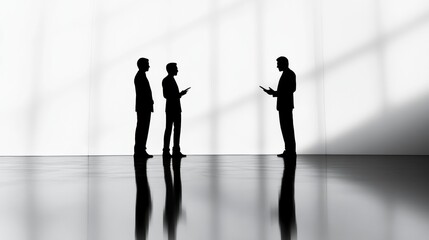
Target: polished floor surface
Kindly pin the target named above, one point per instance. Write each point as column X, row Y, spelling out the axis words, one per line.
column 215, row 197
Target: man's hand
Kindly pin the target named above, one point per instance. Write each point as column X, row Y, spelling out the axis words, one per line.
column 184, row 91
column 269, row 91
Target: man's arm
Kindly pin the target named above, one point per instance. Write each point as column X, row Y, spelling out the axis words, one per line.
column 294, row 83
column 148, row 92
column 137, row 83
column 291, row 82
column 184, row 92
column 270, row 91
column 274, row 93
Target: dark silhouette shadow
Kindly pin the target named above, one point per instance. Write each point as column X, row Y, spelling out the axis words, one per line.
column 285, row 105
column 144, row 108
column 287, row 217
column 173, row 110
column 143, row 198
column 173, row 195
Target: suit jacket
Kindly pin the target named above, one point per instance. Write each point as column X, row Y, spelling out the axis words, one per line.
column 172, row 95
column 144, row 101
column 285, row 90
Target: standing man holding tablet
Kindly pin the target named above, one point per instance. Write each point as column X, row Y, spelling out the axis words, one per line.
column 173, row 111
column 285, row 105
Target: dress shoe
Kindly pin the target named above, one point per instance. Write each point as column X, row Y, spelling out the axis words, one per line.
column 283, row 154
column 146, row 155
column 178, row 154
column 286, row 154
column 143, row 155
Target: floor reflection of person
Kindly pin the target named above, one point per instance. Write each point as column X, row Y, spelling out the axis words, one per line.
column 143, row 199
column 173, row 195
column 287, row 217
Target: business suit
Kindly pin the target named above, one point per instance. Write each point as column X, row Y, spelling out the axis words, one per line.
column 144, row 109
column 173, row 112
column 285, row 105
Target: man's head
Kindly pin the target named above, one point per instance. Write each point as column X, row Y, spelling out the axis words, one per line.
column 172, row 69
column 143, row 64
column 282, row 63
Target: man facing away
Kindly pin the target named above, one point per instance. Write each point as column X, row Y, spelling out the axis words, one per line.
column 173, row 111
column 144, row 108
column 285, row 105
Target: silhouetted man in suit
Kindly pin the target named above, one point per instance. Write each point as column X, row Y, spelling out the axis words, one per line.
column 284, row 94
column 173, row 111
column 144, row 108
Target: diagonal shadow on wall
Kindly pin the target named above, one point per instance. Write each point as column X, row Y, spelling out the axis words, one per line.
column 401, row 130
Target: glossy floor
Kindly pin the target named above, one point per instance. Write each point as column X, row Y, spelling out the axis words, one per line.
column 214, row 197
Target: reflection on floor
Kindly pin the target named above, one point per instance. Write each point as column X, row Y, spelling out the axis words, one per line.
column 214, row 197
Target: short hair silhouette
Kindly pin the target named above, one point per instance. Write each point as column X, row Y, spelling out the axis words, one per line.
column 142, row 62
column 283, row 61
column 171, row 67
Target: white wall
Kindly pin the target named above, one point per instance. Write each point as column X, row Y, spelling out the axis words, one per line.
column 67, row 69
